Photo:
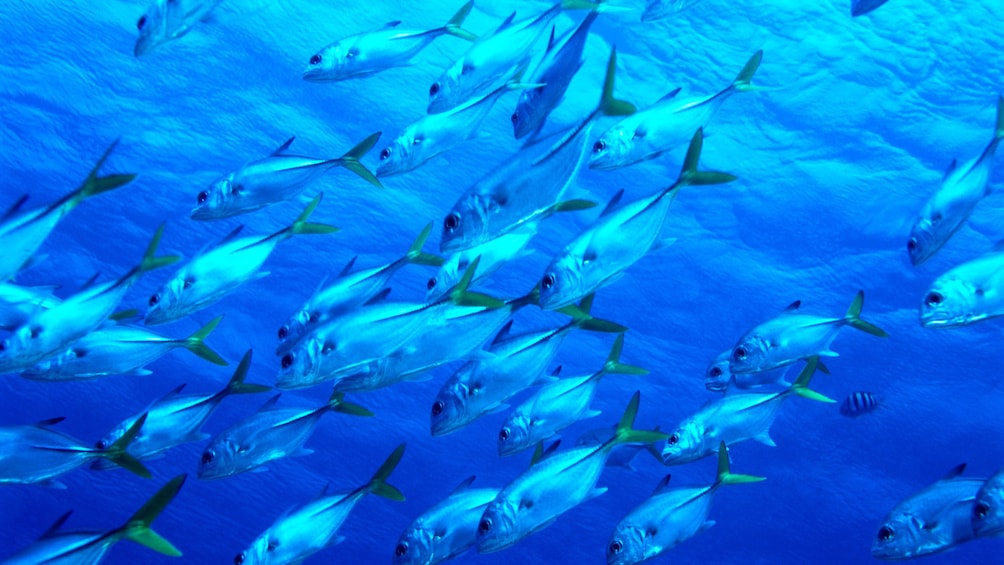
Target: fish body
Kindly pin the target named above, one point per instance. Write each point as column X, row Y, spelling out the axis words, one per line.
column 276, row 178
column 18, row 303
column 166, row 20
column 859, row 403
column 493, row 254
column 368, row 53
column 988, row 508
column 969, row 293
column 718, row 377
column 947, row 210
column 936, row 519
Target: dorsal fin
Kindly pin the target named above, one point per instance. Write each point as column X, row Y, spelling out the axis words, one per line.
column 324, row 491
column 283, row 147
column 954, row 472
column 348, row 266
column 951, row 168
column 378, row 297
column 503, row 333
column 14, row 208
column 612, row 204
column 541, row 452
column 226, row 239
column 270, row 405
column 508, row 22
column 793, row 306
column 89, row 282
column 556, row 371
column 392, row 24
column 663, row 484
column 669, row 96
column 49, row 422
column 464, row 484
column 550, row 40
column 55, row 527
column 174, row 391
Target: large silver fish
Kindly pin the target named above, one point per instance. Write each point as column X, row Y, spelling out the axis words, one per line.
column 176, row 418
column 619, row 238
column 969, row 293
column 37, row 454
column 446, row 530
column 22, row 233
column 119, row 350
column 525, row 189
column 18, row 303
column 734, row 418
column 934, row 520
column 166, row 20
column 962, row 188
column 551, row 487
column 368, row 53
column 302, row 532
column 792, row 336
column 988, row 508
column 669, row 517
column 269, row 434
column 216, row 272
column 58, row 547
column 277, row 178
column 667, row 124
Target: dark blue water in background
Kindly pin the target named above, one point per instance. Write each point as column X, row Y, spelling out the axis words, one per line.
column 834, row 161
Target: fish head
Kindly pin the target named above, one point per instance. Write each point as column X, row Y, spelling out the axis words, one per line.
column 564, row 282
column 16, row 350
column 111, row 437
column 451, row 410
column 750, row 355
column 684, row 444
column 448, row 90
column 927, row 235
column 988, row 508
column 154, row 26
column 415, row 547
column 950, row 302
column 514, row 434
column 498, row 527
column 524, row 119
column 402, row 155
column 467, row 224
column 899, row 537
column 211, row 203
column 220, row 459
column 717, row 377
column 168, row 302
column 448, row 275
column 51, row 367
column 612, row 149
column 289, row 334
column 301, row 365
column 261, row 551
column 627, row 545
column 332, row 63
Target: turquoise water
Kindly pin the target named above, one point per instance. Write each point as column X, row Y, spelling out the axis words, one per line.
column 858, row 120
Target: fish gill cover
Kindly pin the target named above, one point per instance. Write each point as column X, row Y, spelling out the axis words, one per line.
column 845, row 137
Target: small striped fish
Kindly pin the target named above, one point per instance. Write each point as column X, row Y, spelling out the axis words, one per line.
column 858, row 403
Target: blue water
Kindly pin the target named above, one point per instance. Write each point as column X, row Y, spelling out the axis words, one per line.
column 834, row 160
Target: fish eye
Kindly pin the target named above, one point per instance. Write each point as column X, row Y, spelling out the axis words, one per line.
column 438, row 407
column 431, row 284
column 715, row 372
column 616, row 546
column 271, row 546
column 912, row 244
column 207, row 457
column 315, row 60
column 154, row 300
column 548, row 281
column 101, row 444
column 934, row 298
column 886, row 534
column 514, row 118
column 3, row 345
column 352, row 53
column 35, row 332
column 141, row 22
column 599, row 146
column 283, row 332
column 434, row 89
column 202, row 197
column 485, row 525
column 674, row 439
column 981, row 510
column 740, row 354
column 287, row 360
column 401, row 550
column 504, row 434
column 385, row 154
column 452, row 221
column 238, row 559
column 187, row 284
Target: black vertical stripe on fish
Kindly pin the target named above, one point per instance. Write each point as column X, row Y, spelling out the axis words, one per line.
column 858, row 403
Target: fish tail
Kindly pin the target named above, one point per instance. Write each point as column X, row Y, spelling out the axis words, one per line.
column 463, row 297
column 689, row 175
column 725, row 476
column 301, row 226
column 625, row 433
column 654, row 451
column 573, row 205
column 853, row 317
column 150, row 260
column 350, row 160
column 597, row 6
column 453, row 28
column 581, row 317
column 137, row 528
column 94, row 184
column 801, row 384
column 613, row 363
column 609, row 105
column 378, row 484
column 336, row 403
column 116, row 452
column 744, row 80
column 236, row 385
column 999, row 128
column 196, row 342
column 417, row 256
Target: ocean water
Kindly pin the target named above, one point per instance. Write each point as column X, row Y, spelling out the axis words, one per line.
column 835, row 157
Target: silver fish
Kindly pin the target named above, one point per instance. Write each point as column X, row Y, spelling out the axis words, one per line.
column 969, row 293
column 166, row 20
column 962, row 188
column 934, row 520
column 18, row 303
column 718, row 377
column 988, row 509
column 57, row 547
column 492, row 255
column 368, row 53
column 277, row 178
column 858, row 403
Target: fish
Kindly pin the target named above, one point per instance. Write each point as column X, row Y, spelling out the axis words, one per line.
column 554, row 73
column 553, row 486
column 48, row 332
column 718, row 377
column 18, row 303
column 669, row 517
column 492, row 255
column 216, row 272
column 269, row 434
column 988, row 508
column 558, row 405
column 277, row 178
column 862, row 7
column 948, row 209
column 119, row 350
column 969, row 293
column 23, row 232
column 624, row 454
column 735, row 418
column 792, row 336
column 349, row 290
column 445, row 531
column 934, row 520
column 167, row 20
column 514, row 363
column 302, row 532
column 58, row 547
column 527, row 188
column 660, row 9
column 37, row 454
column 621, row 236
column 858, row 403
column 366, row 54
column 667, row 124
column 176, row 418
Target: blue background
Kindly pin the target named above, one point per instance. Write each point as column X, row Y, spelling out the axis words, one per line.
column 834, row 160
